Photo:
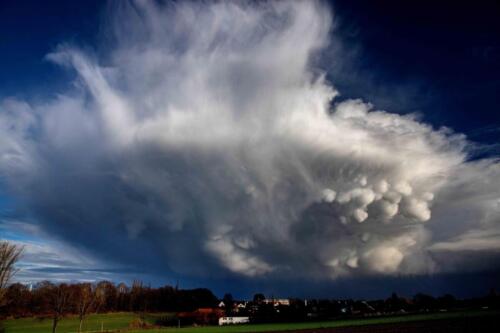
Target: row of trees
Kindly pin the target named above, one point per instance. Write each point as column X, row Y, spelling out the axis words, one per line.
column 327, row 309
column 47, row 299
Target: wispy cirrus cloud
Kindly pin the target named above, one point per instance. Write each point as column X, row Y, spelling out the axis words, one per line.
column 47, row 258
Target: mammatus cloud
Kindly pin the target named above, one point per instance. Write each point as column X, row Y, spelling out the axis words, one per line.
column 206, row 142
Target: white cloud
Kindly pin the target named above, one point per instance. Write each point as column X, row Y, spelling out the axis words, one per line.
column 474, row 240
column 207, row 135
column 46, row 258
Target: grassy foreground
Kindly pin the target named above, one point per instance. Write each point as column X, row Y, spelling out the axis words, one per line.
column 248, row 328
column 116, row 321
column 107, row 321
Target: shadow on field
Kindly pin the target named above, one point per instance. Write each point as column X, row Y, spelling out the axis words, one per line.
column 484, row 324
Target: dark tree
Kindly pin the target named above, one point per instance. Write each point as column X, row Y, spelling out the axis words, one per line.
column 58, row 300
column 228, row 302
column 424, row 302
column 9, row 255
column 109, row 296
column 19, row 300
column 86, row 301
column 259, row 298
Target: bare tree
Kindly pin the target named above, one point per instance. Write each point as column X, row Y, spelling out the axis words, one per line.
column 9, row 255
column 86, row 301
column 59, row 296
column 100, row 296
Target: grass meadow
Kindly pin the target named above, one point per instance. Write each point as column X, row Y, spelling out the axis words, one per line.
column 120, row 322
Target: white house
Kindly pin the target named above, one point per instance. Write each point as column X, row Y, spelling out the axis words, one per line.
column 241, row 305
column 233, row 320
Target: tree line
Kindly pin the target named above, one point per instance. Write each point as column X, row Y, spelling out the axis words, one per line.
column 56, row 300
column 49, row 300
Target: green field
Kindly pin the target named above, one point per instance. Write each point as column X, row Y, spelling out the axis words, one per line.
column 108, row 321
column 116, row 321
column 312, row 325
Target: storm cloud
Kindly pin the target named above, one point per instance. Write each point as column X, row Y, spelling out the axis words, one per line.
column 206, row 141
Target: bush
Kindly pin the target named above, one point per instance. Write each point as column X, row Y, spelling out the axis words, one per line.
column 139, row 324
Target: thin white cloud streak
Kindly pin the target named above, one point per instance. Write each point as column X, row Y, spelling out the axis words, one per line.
column 475, row 240
column 46, row 258
column 208, row 134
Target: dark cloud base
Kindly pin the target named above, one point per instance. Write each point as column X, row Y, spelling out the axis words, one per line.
column 462, row 285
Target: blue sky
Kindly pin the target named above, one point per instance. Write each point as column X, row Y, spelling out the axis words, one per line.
column 86, row 209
